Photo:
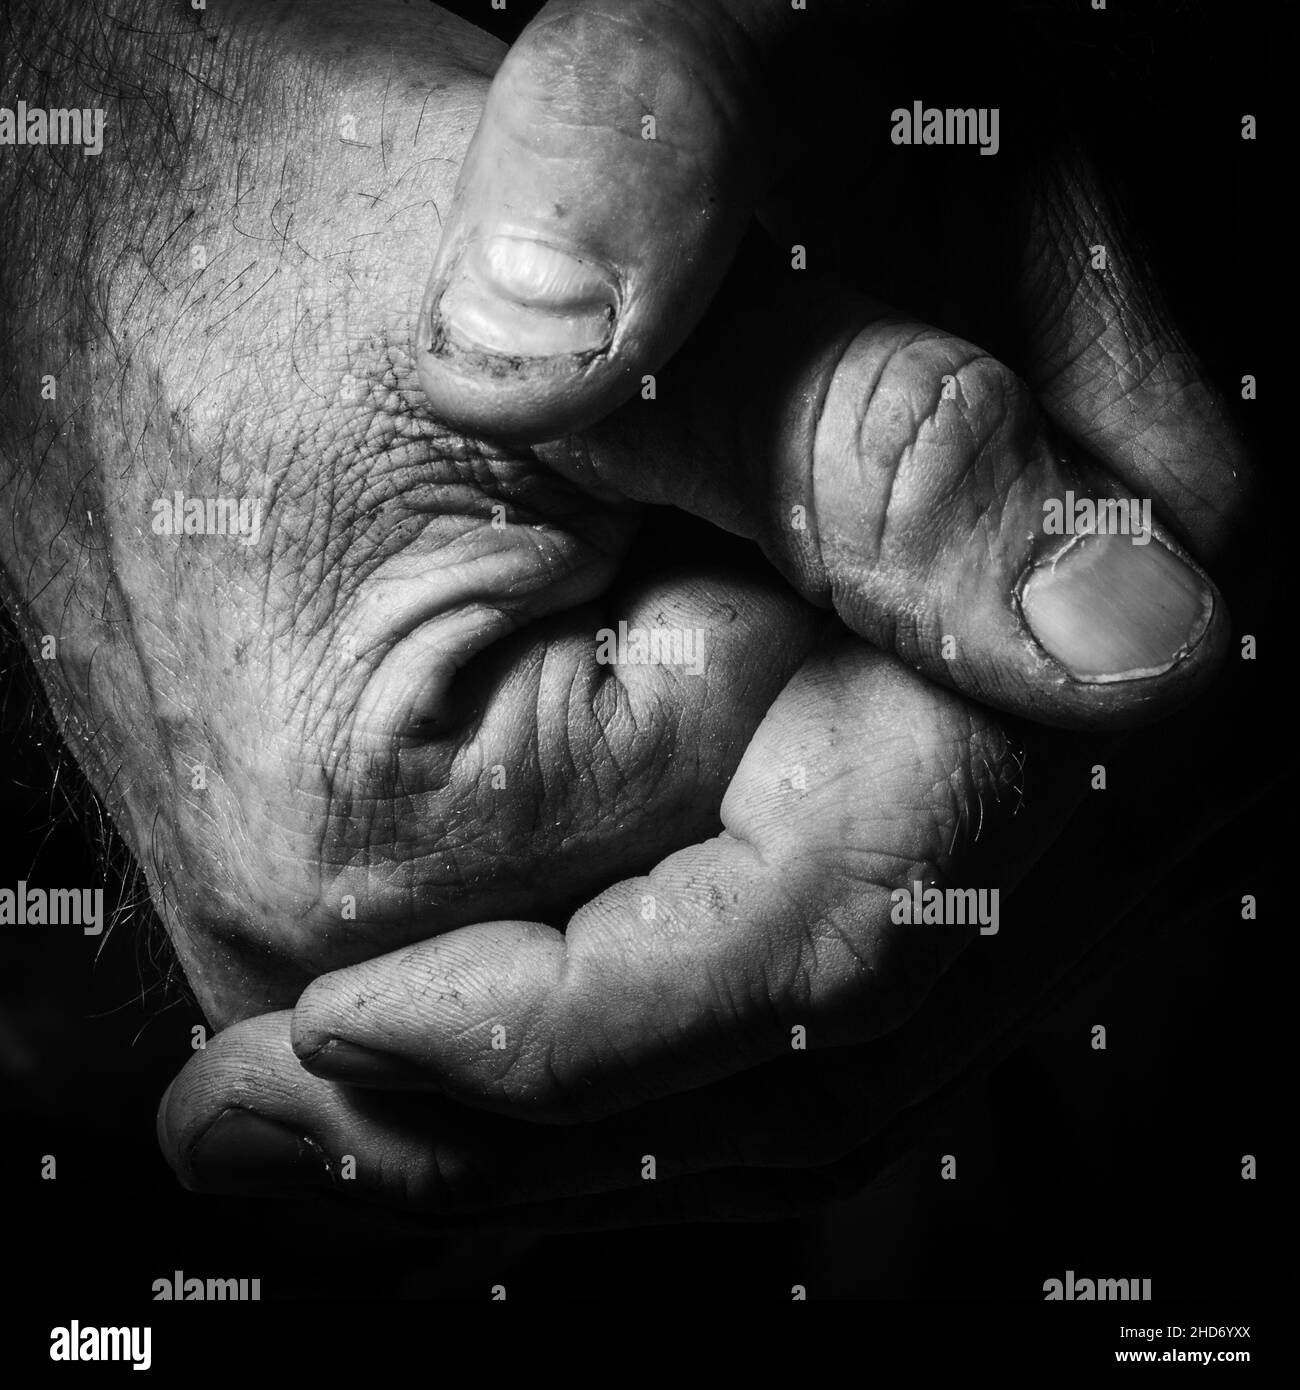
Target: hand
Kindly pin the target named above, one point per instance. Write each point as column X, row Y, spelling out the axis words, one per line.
column 671, row 1034
column 351, row 683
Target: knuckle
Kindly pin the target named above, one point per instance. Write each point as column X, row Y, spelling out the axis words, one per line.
column 916, row 425
column 936, row 409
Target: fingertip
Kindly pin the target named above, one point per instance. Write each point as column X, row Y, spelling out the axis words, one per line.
column 521, row 296
column 1112, row 610
column 1132, row 631
column 597, row 209
column 510, row 396
column 517, row 336
column 309, row 1029
column 337, row 1059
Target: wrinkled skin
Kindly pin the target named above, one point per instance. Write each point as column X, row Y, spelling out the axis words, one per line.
column 297, row 670
column 353, row 683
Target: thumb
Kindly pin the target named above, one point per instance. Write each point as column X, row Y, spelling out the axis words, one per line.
column 616, row 164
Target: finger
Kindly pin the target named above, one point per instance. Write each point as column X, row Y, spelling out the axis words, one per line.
column 909, row 480
column 618, row 158
column 1112, row 369
column 568, row 756
column 243, row 1117
column 1052, row 272
column 862, row 784
column 809, row 1109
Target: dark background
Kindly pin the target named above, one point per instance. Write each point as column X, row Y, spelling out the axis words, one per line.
column 1119, row 1163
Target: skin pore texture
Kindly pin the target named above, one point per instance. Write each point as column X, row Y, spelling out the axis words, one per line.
column 303, row 673
column 370, row 762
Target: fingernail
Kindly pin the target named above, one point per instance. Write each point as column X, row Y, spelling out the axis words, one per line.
column 242, row 1152
column 344, row 1061
column 1110, row 610
column 524, row 298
